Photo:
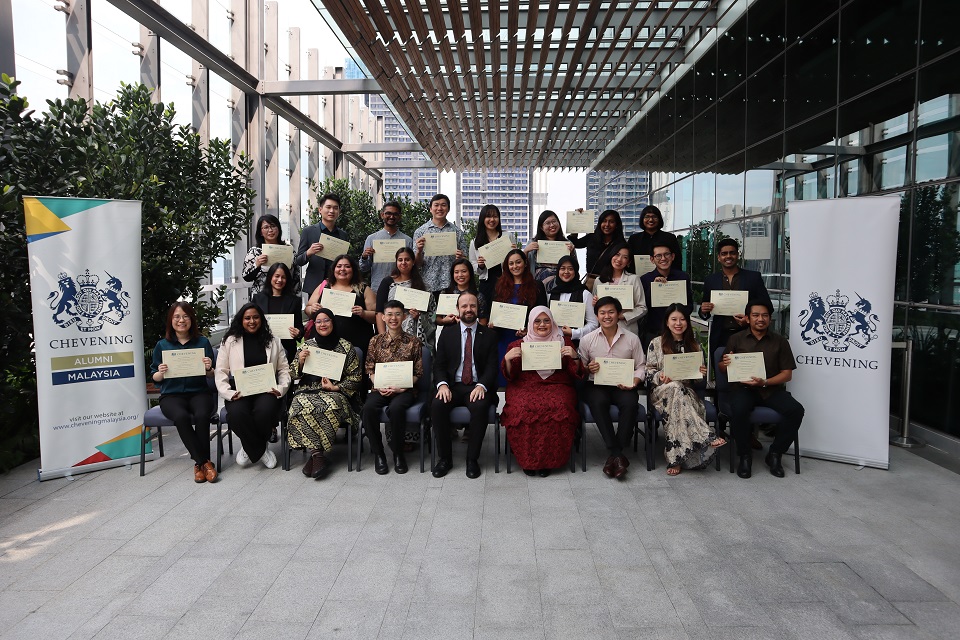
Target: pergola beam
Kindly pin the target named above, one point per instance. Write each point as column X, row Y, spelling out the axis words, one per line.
column 319, row 87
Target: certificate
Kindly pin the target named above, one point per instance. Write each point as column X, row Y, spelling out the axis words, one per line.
column 728, row 303
column 386, row 250
column 614, row 371
column 440, row 244
column 447, row 304
column 683, row 366
column 253, row 380
column 744, row 366
column 494, row 253
column 550, row 251
column 278, row 253
column 663, row 294
column 568, row 314
column 412, row 298
column 536, row 356
column 332, row 247
column 340, row 302
column 643, row 264
column 183, row 363
column 324, row 364
column 280, row 324
column 508, row 316
column 393, row 374
column 622, row 292
column 580, row 221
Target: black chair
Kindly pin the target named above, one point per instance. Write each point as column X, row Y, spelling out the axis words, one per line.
column 642, row 418
column 759, row 415
column 461, row 415
column 417, row 413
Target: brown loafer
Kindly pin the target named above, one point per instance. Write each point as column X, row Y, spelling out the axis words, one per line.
column 198, row 475
column 320, row 466
column 620, row 465
column 209, row 471
column 608, row 467
column 308, row 467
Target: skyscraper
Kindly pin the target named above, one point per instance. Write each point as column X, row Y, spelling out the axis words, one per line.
column 627, row 192
column 510, row 189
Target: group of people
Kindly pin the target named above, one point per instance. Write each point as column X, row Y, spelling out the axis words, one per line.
column 625, row 325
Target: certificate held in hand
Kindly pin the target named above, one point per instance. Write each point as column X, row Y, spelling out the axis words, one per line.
column 412, row 298
column 745, row 366
column 568, row 314
column 253, row 380
column 683, row 366
column 550, row 251
column 393, row 374
column 332, row 247
column 643, row 264
column 508, row 316
column 614, row 371
column 440, row 244
column 184, row 363
column 494, row 253
column 537, row 356
column 386, row 250
column 664, row 294
column 325, row 364
column 278, row 253
column 728, row 303
column 340, row 302
column 622, row 292
column 447, row 304
column 580, row 221
column 280, row 324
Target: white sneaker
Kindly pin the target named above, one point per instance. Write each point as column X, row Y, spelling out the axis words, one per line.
column 242, row 458
column 269, row 459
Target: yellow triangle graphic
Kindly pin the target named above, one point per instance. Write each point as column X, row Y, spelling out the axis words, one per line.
column 135, row 432
column 40, row 220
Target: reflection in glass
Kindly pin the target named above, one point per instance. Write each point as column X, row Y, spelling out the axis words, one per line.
column 760, row 191
column 704, row 197
column 893, row 168
column 936, row 245
column 933, row 159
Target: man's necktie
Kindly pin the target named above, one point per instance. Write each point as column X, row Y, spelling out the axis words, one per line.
column 467, row 376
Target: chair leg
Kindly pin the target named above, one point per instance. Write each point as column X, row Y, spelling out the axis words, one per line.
column 349, row 448
column 506, row 452
column 650, row 443
column 496, row 435
column 360, row 444
column 422, row 443
column 796, row 455
column 583, row 447
column 160, row 440
column 143, row 449
column 219, row 444
column 229, row 439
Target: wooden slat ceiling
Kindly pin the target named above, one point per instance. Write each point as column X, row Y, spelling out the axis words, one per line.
column 514, row 83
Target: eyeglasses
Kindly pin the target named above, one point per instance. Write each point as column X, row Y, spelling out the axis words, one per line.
column 322, row 322
column 650, row 216
column 181, row 317
column 661, row 256
column 542, row 321
column 761, row 316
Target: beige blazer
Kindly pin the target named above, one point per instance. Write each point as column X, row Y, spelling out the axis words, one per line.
column 230, row 358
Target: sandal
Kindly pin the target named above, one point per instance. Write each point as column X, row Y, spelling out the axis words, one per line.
column 719, row 442
column 674, row 471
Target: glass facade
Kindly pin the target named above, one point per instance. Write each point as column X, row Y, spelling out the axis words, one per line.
column 627, row 192
column 836, row 99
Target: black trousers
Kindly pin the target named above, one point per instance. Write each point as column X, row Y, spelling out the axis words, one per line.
column 743, row 401
column 600, row 398
column 479, row 414
column 396, row 412
column 191, row 413
column 253, row 419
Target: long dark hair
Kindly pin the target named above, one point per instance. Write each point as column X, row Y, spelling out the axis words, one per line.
column 416, row 279
column 651, row 209
column 482, row 237
column 288, row 287
column 528, row 286
column 543, row 217
column 170, row 333
column 617, row 232
column 690, row 344
column 606, row 271
column 263, row 336
column 272, row 219
column 471, row 283
column 354, row 266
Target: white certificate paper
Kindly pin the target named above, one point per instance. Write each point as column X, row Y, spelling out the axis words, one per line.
column 622, row 292
column 568, row 314
column 447, row 304
column 508, row 316
column 332, row 247
column 643, row 264
column 253, row 380
column 386, row 250
column 325, row 364
column 744, row 366
column 683, row 366
column 728, row 303
column 614, row 371
column 340, row 302
column 393, row 374
column 663, row 294
column 440, row 244
column 278, row 253
column 184, row 363
column 412, row 298
column 495, row 252
column 280, row 324
column 540, row 355
column 581, row 221
column 550, row 251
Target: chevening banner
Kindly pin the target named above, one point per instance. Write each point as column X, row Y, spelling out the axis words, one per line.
column 843, row 265
column 87, row 320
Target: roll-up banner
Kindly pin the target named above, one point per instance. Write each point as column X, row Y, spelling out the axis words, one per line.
column 843, row 264
column 88, row 327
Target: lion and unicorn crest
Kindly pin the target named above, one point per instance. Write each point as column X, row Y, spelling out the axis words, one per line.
column 837, row 326
column 80, row 302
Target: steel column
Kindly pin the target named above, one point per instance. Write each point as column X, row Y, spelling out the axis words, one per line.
column 8, row 58
column 295, row 150
column 79, row 50
column 200, row 15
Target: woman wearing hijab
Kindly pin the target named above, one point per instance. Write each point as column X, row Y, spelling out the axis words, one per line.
column 540, row 414
column 321, row 406
column 609, row 231
column 568, row 288
column 642, row 242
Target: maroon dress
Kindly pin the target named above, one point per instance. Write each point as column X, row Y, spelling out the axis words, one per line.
column 540, row 415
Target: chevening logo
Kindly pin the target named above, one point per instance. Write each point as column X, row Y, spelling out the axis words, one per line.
column 82, row 303
column 836, row 326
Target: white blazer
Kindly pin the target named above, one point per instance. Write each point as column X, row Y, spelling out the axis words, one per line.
column 230, row 358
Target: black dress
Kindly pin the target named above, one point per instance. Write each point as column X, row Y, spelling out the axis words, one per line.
column 355, row 329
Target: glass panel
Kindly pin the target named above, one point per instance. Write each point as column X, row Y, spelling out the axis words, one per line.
column 879, row 37
column 760, row 247
column 765, row 111
column 765, row 28
column 938, row 28
column 700, row 251
column 704, row 197
column 730, row 112
column 732, row 58
column 683, row 209
column 800, row 19
column 811, row 74
column 934, row 273
column 893, row 168
column 760, row 191
column 933, row 157
column 730, row 192
column 935, row 380
column 705, row 130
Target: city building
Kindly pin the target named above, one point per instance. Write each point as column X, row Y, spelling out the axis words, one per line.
column 627, row 192
column 510, row 189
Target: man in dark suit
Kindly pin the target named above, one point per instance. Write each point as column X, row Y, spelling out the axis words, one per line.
column 730, row 278
column 465, row 372
column 311, row 243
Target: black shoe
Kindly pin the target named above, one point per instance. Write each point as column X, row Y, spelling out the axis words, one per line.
column 442, row 468
column 399, row 463
column 473, row 469
column 380, row 464
column 273, row 436
column 746, row 466
column 543, row 473
column 773, row 461
column 530, row 472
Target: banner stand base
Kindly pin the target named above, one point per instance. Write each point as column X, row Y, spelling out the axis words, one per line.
column 50, row 474
column 907, row 442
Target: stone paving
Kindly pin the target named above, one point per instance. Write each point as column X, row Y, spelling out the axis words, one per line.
column 837, row 552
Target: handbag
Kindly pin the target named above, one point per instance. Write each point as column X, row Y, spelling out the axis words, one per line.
column 309, row 326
